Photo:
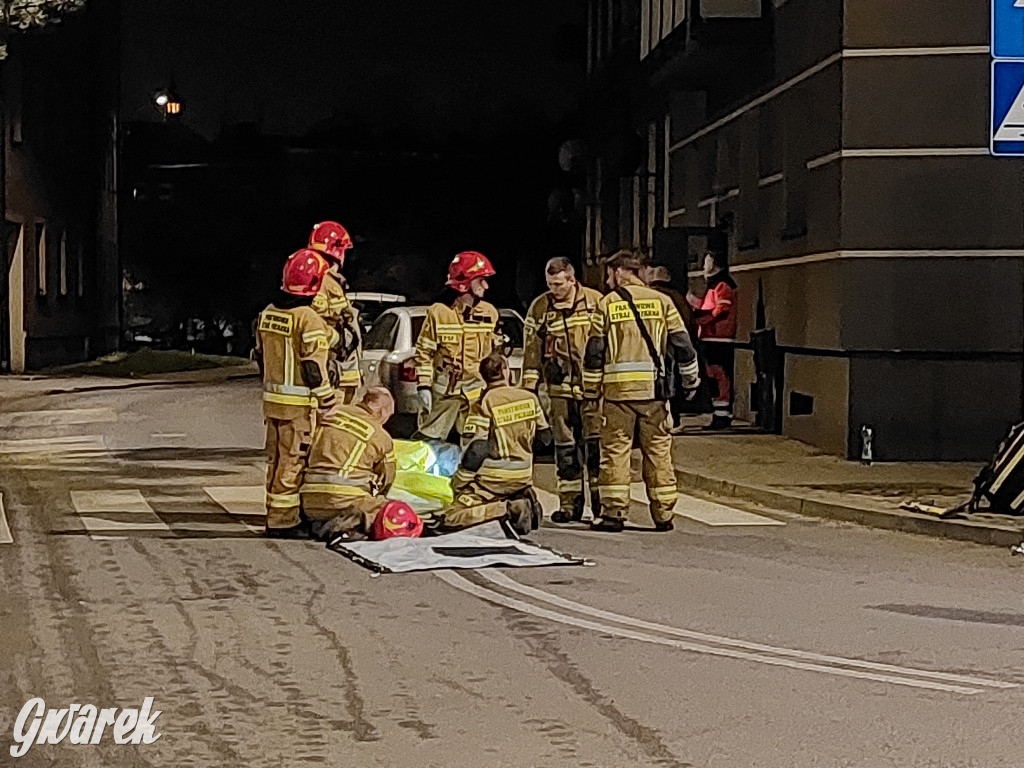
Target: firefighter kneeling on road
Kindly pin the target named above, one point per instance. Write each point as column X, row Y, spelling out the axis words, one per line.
column 351, row 468
column 453, row 341
column 628, row 357
column 291, row 350
column 495, row 477
column 332, row 240
column 558, row 325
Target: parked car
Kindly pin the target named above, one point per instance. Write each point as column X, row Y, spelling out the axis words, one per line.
column 370, row 305
column 389, row 355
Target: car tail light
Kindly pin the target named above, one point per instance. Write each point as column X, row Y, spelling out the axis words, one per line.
column 407, row 372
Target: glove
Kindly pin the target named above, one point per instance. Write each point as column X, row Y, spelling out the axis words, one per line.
column 690, row 389
column 426, row 399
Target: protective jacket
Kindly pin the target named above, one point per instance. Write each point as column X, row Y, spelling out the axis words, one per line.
column 352, row 455
column 618, row 363
column 555, row 339
column 715, row 315
column 501, row 427
column 450, row 347
column 341, row 317
column 293, row 346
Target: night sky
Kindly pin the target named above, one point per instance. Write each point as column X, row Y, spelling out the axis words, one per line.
column 465, row 64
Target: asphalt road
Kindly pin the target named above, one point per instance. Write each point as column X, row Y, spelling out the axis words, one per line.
column 134, row 571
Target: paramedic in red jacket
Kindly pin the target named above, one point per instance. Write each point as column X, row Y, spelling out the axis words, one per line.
column 716, row 329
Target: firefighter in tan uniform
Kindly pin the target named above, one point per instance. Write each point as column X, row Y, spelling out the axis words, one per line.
column 332, row 240
column 558, row 326
column 453, row 341
column 291, row 348
column 627, row 360
column 351, row 467
column 495, row 476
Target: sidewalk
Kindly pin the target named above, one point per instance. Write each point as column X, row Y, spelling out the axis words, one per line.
column 791, row 476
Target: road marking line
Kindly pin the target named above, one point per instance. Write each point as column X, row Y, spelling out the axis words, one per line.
column 5, row 530
column 240, row 499
column 56, row 417
column 54, row 444
column 462, row 584
column 706, row 512
column 167, row 435
column 119, row 511
column 504, row 581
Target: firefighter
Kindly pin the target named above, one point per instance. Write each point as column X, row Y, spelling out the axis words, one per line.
column 716, row 330
column 626, row 361
column 351, row 468
column 558, row 325
column 332, row 240
column 453, row 341
column 291, row 350
column 495, row 475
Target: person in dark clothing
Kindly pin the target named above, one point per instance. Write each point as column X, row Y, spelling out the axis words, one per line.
column 660, row 279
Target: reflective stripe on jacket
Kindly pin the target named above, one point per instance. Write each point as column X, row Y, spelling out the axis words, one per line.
column 560, row 331
column 449, row 349
column 351, row 455
column 285, row 338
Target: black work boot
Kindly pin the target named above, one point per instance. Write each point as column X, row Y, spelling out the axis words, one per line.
column 608, row 525
column 299, row 531
column 664, row 526
column 718, row 423
column 561, row 517
column 520, row 515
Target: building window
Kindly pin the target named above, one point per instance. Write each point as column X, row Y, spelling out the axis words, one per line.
column 41, row 259
column 64, row 264
column 81, row 270
column 645, row 28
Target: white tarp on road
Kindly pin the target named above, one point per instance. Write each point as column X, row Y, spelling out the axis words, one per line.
column 482, row 546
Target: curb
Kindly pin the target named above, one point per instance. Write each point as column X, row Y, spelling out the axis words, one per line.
column 907, row 522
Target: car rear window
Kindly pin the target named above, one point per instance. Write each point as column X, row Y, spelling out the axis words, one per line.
column 382, row 334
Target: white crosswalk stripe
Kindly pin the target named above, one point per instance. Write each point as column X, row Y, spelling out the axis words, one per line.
column 56, row 417
column 48, row 445
column 5, row 529
column 707, row 512
column 106, row 512
column 118, row 513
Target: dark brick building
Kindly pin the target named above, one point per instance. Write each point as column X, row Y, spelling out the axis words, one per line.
column 837, row 149
column 61, row 288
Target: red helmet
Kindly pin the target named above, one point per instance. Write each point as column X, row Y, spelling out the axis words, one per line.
column 396, row 519
column 304, row 273
column 332, row 239
column 466, row 267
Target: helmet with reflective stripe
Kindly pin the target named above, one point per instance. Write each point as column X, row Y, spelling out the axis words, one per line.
column 304, row 273
column 395, row 520
column 331, row 239
column 467, row 267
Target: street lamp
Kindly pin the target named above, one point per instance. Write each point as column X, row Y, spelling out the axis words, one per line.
column 167, row 103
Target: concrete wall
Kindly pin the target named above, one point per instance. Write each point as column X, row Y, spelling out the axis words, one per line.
column 827, row 381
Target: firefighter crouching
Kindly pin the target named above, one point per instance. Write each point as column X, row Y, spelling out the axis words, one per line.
column 627, row 361
column 558, row 326
column 453, row 341
column 351, row 468
column 291, row 349
column 332, row 241
column 495, row 476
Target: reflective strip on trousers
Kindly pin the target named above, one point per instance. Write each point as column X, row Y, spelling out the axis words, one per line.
column 282, row 500
column 271, row 397
column 617, row 492
column 333, row 489
column 570, row 486
column 666, row 494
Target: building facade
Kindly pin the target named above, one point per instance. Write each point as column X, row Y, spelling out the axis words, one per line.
column 61, row 292
column 837, row 150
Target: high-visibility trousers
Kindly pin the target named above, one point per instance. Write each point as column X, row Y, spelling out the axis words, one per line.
column 447, row 413
column 659, row 476
column 479, row 502
column 577, row 450
column 287, row 445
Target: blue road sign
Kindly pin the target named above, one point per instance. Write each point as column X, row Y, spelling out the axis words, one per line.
column 1007, row 108
column 1008, row 29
